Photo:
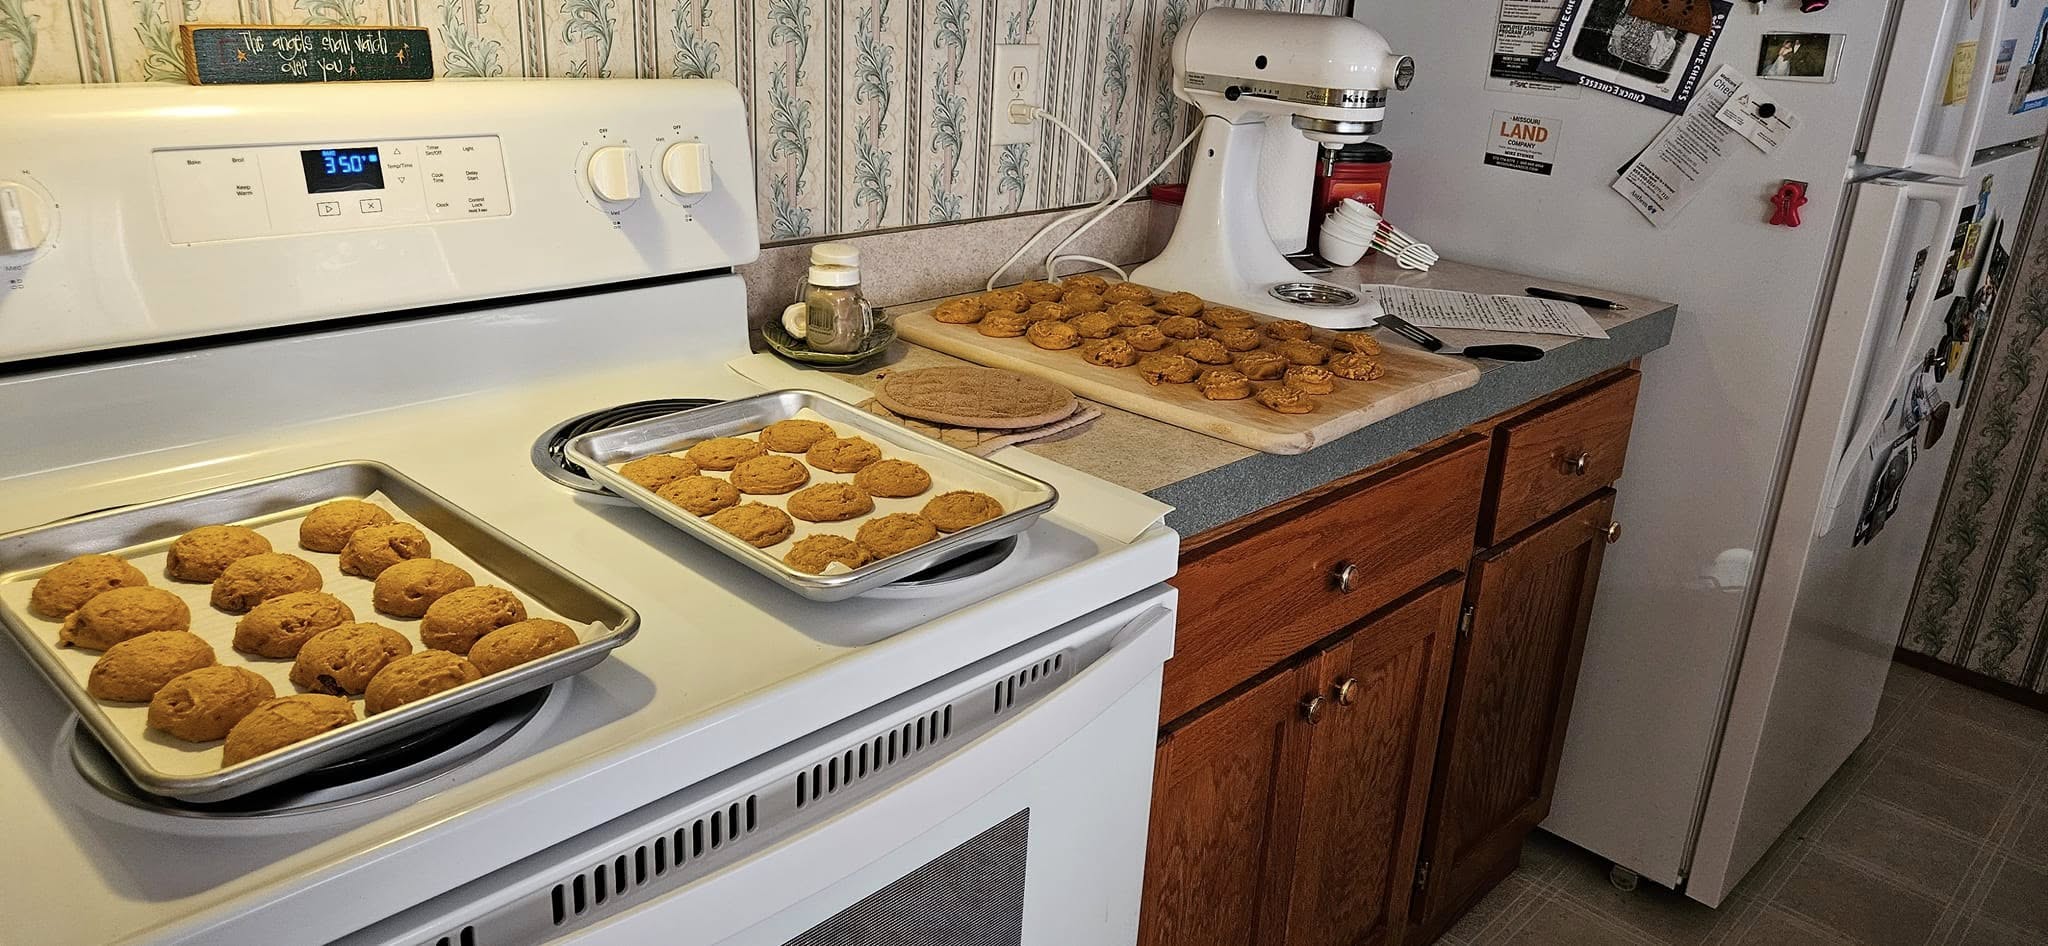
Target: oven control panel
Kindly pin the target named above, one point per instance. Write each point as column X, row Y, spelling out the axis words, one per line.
column 237, row 193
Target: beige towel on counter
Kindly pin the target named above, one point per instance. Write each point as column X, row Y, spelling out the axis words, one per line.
column 982, row 442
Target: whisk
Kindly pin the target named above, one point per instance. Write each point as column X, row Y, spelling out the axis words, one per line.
column 1358, row 223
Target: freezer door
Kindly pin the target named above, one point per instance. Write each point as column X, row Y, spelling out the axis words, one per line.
column 1944, row 92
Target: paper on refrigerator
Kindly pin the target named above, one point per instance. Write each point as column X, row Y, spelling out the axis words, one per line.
column 1662, row 180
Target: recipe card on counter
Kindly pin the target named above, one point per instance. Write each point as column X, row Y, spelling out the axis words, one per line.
column 1447, row 309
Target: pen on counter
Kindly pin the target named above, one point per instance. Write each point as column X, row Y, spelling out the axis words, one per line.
column 1590, row 302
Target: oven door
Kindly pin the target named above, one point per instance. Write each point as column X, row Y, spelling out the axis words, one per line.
column 1004, row 805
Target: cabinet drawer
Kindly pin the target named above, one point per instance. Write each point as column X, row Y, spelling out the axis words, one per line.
column 1560, row 454
column 1269, row 593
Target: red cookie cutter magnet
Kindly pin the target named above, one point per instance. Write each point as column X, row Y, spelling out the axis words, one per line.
column 1790, row 197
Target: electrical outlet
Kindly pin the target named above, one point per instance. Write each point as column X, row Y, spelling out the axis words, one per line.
column 1020, row 84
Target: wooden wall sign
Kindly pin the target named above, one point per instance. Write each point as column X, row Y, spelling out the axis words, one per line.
column 255, row 55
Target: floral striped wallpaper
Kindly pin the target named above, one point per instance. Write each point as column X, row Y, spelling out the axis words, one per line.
column 867, row 113
column 1981, row 602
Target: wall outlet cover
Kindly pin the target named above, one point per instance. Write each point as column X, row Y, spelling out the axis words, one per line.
column 1019, row 77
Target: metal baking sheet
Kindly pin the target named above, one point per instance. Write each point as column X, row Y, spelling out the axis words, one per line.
column 1024, row 498
column 273, row 506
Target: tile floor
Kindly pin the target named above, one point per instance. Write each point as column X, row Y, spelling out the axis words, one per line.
column 1934, row 834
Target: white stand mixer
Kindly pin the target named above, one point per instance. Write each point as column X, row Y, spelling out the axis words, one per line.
column 1328, row 76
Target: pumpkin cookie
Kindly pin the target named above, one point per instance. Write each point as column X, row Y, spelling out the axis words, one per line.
column 700, row 495
column 958, row 312
column 1224, row 384
column 1303, row 353
column 843, row 454
column 1357, row 367
column 1052, row 336
column 1003, row 324
column 1038, row 290
column 1180, row 303
column 280, row 722
column 1237, row 339
column 202, row 705
column 755, row 524
column 1288, row 330
column 1145, row 338
column 133, row 670
column 1046, row 311
column 370, row 551
column 461, row 617
column 250, row 581
column 203, row 553
column 1285, row 400
column 120, row 614
column 1168, row 369
column 960, row 509
column 1110, row 353
column 328, row 526
column 1083, row 302
column 1002, row 300
column 343, row 659
column 833, row 502
column 1311, row 379
column 724, row 453
column 893, row 479
column 278, row 628
column 1095, row 325
column 416, row 677
column 408, row 589
column 1223, row 316
column 1208, row 351
column 1086, row 282
column 1261, row 365
column 794, row 435
column 1133, row 314
column 893, row 533
column 1181, row 326
column 770, row 476
column 657, row 471
column 1361, row 342
column 515, row 644
column 67, row 587
column 1129, row 292
column 816, row 553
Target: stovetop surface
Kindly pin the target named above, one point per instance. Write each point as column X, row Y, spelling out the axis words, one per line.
column 726, row 666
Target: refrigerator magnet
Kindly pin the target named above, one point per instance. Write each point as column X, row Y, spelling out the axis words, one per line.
column 1599, row 45
column 1962, row 65
column 1799, row 57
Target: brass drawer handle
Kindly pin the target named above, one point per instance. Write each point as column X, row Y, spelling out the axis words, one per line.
column 1312, row 709
column 1576, row 466
column 1612, row 533
column 1346, row 577
column 1346, row 691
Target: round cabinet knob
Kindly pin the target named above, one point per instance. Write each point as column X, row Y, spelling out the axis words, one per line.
column 1612, row 533
column 1577, row 465
column 1347, row 690
column 24, row 220
column 686, row 169
column 614, row 175
column 1312, row 709
column 1345, row 576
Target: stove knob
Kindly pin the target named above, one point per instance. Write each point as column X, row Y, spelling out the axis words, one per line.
column 23, row 219
column 614, row 174
column 686, row 169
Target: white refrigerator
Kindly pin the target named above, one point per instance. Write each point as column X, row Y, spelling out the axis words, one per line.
column 1790, row 444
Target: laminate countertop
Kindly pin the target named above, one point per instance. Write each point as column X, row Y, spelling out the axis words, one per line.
column 1210, row 482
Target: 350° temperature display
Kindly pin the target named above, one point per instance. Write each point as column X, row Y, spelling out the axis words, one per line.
column 342, row 169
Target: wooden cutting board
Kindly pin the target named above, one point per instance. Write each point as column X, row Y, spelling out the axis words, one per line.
column 1412, row 377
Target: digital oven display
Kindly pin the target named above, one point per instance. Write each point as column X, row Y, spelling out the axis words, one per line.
column 342, row 169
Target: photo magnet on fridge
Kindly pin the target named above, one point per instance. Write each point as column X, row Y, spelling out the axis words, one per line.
column 2030, row 91
column 1799, row 57
column 1599, row 45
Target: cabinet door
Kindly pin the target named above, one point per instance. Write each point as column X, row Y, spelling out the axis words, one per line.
column 1511, row 692
column 1368, row 774
column 1226, row 792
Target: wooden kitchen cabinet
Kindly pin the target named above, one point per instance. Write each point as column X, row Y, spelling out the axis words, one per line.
column 1511, row 694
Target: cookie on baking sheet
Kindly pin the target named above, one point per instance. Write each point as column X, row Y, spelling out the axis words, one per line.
column 816, row 553
column 895, row 532
column 1288, row 330
column 1261, row 365
column 119, row 614
column 515, row 644
column 1182, row 327
column 203, row 553
column 1285, row 400
column 133, row 670
column 409, row 588
column 280, row 722
column 1003, row 324
column 1311, row 379
column 794, row 435
column 67, row 587
column 416, row 677
column 370, row 551
column 1129, row 292
column 724, row 453
column 202, row 705
column 1357, row 367
column 342, row 660
column 1208, row 351
column 770, row 475
column 1168, row 369
column 1095, row 325
column 833, row 502
column 1144, row 338
column 254, row 579
column 958, row 312
column 460, row 618
column 657, row 471
column 1224, row 384
column 328, row 526
column 1110, row 353
column 1052, row 336
column 1237, row 339
column 278, row 628
column 1002, row 300
column 1180, row 303
column 1303, row 353
column 961, row 509
column 1226, row 317
column 700, row 495
column 893, row 479
column 756, row 524
column 1361, row 342
column 843, row 454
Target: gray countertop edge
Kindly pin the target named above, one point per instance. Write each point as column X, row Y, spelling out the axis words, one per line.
column 1206, row 500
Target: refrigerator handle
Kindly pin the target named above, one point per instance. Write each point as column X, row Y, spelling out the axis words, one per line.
column 1866, row 275
column 1903, row 113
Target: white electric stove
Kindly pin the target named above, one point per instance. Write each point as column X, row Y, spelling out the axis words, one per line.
column 964, row 758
